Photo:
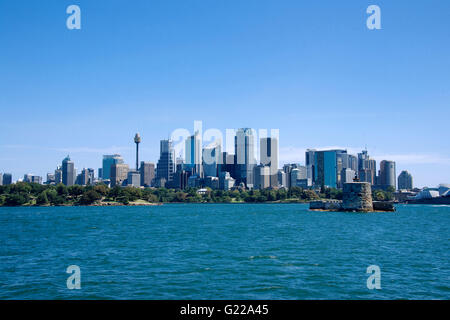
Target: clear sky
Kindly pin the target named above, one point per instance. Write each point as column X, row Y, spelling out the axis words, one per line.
column 309, row 68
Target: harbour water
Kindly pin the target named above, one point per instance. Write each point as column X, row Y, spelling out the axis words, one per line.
column 224, row 251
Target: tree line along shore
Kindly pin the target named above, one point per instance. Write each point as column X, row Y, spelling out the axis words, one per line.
column 33, row 194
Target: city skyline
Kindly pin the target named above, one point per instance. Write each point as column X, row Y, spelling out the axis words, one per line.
column 314, row 71
column 252, row 161
column 131, row 152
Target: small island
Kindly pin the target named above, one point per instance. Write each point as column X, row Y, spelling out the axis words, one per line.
column 357, row 197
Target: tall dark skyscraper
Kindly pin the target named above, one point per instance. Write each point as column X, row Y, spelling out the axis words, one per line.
column 68, row 172
column 137, row 140
column 166, row 163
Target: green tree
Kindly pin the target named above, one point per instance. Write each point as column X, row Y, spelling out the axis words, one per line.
column 42, row 199
column 90, row 197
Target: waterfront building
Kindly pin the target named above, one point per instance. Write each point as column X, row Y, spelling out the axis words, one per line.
column 268, row 148
column 108, row 161
column 118, row 174
column 309, row 163
column 387, row 176
column 261, row 177
column 244, row 150
column 68, row 172
column 147, row 171
column 298, row 173
column 166, row 163
column 226, row 182
column 181, row 177
column 327, row 168
column 212, row 182
column 287, row 168
column 134, row 179
column 405, row 181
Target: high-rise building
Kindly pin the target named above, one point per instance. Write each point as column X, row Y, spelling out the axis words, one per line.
column 1, row 179
column 327, row 168
column 166, row 163
column 50, row 178
column 309, row 163
column 405, row 181
column 244, row 149
column 86, row 177
column 36, row 179
column 58, row 175
column 147, row 171
column 27, row 177
column 298, row 176
column 282, row 178
column 261, row 177
column 134, row 179
column 193, row 152
column 211, row 159
column 268, row 148
column 226, row 182
column 367, row 168
column 108, row 161
column 118, row 174
column 7, row 179
column 387, row 176
column 68, row 172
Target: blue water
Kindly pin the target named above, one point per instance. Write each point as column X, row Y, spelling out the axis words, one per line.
column 220, row 251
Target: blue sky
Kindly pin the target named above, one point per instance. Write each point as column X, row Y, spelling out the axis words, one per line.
column 309, row 68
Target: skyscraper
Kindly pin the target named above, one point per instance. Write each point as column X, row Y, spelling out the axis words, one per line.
column 147, row 171
column 7, row 179
column 387, row 176
column 1, row 179
column 68, row 172
column 367, row 168
column 309, row 163
column 405, row 181
column 193, row 152
column 211, row 159
column 166, row 163
column 108, row 161
column 244, row 149
column 58, row 175
column 118, row 174
column 327, row 168
column 268, row 148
